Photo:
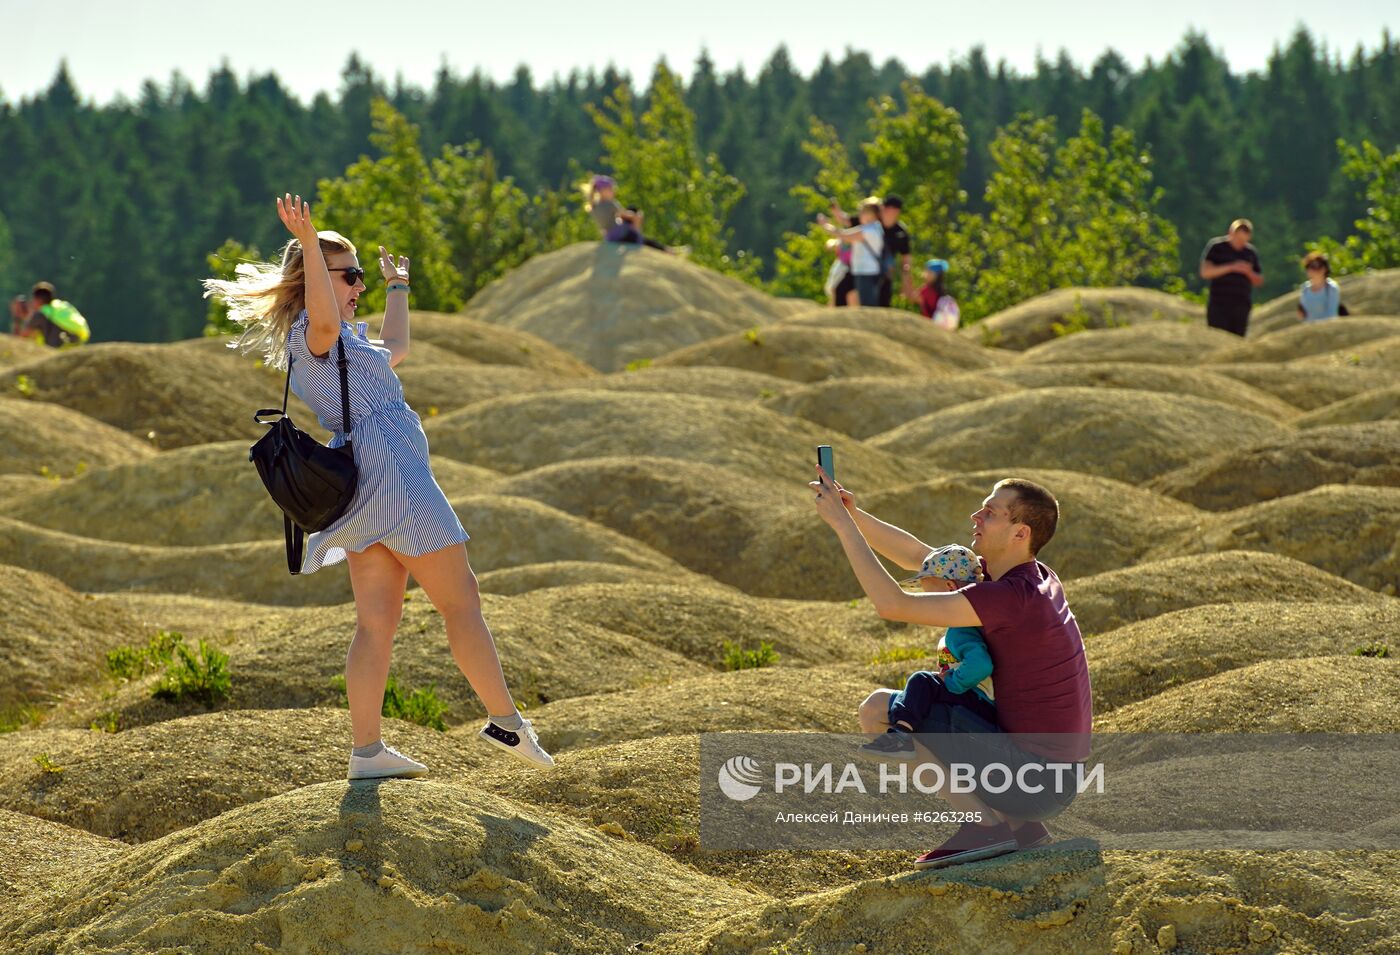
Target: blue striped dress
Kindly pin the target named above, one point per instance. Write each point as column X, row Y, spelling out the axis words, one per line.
column 397, row 501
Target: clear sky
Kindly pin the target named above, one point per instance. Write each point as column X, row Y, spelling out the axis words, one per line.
column 113, row 45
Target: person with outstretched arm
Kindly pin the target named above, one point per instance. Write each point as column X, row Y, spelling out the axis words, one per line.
column 1043, row 698
column 300, row 314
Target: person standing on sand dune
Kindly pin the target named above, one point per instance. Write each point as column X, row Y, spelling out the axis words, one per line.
column 1231, row 266
column 399, row 522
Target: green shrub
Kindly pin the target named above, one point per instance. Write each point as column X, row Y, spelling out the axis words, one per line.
column 47, row 765
column 1372, row 650
column 20, row 717
column 129, row 663
column 900, row 654
column 737, row 657
column 752, row 337
column 105, row 722
column 201, row 676
column 637, row 364
column 420, row 706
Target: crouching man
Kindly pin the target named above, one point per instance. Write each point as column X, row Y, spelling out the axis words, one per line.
column 1043, row 701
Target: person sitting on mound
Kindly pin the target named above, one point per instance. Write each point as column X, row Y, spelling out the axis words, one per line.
column 617, row 224
column 934, row 301
column 964, row 676
column 1044, row 707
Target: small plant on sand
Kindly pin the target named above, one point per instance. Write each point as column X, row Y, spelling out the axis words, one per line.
column 737, row 657
column 765, row 393
column 991, row 337
column 20, row 717
column 47, row 765
column 24, row 385
column 198, row 675
column 752, row 337
column 1372, row 650
column 105, row 722
column 420, row 706
column 900, row 654
column 637, row 364
column 131, row 662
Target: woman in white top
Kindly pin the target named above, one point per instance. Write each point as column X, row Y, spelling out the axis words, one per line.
column 867, row 245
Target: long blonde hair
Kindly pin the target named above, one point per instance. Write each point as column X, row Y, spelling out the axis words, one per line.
column 266, row 297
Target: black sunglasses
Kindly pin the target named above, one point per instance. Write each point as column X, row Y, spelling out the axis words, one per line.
column 353, row 274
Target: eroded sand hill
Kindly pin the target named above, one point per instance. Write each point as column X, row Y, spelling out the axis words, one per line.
column 1228, row 541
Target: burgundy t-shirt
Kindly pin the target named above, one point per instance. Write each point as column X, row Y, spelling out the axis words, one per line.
column 1038, row 665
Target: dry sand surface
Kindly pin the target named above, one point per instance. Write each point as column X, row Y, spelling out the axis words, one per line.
column 1033, row 321
column 1119, row 433
column 1342, row 454
column 1228, row 539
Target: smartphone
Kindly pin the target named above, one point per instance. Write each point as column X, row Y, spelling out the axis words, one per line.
column 825, row 459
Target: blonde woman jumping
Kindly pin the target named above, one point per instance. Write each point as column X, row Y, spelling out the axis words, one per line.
column 399, row 522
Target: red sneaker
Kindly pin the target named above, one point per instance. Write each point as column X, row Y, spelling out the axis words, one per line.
column 969, row 844
column 1031, row 834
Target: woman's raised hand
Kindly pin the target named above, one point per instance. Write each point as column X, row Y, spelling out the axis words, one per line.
column 393, row 269
column 296, row 216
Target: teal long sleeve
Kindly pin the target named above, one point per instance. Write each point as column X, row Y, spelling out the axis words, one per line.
column 975, row 663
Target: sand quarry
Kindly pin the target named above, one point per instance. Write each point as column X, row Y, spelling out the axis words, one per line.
column 627, row 438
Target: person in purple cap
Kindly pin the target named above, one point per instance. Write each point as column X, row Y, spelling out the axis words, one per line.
column 618, row 224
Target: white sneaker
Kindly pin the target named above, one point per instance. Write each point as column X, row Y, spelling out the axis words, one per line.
column 387, row 763
column 521, row 743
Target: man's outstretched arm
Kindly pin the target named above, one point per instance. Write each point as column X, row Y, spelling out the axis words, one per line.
column 896, row 543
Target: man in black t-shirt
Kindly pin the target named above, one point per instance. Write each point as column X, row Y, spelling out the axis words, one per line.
column 1231, row 266
column 896, row 253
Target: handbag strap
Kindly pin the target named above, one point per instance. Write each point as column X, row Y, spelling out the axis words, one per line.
column 296, row 544
column 344, row 365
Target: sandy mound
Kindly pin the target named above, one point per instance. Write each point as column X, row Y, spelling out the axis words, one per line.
column 37, row 857
column 1312, row 338
column 906, row 328
column 1117, row 433
column 512, row 581
column 289, row 659
column 42, row 435
column 612, row 786
column 1336, row 694
column 1142, row 591
column 370, row 868
column 729, row 384
column 771, row 698
column 1347, row 530
column 141, row 783
column 186, row 497
column 1148, row 657
column 1303, row 387
column 1031, row 322
column 1382, row 354
column 251, row 571
column 863, row 407
column 795, row 351
column 1383, row 404
column 611, row 304
column 1346, row 454
column 1374, row 293
column 666, row 504
column 489, row 343
column 1166, row 379
column 18, row 351
column 518, row 434
column 800, row 556
column 438, row 389
column 1167, row 343
column 183, row 395
column 1064, row 902
column 696, row 620
column 51, row 637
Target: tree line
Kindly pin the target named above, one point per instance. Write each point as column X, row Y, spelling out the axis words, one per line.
column 1064, row 175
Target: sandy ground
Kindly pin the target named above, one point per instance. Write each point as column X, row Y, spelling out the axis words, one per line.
column 1228, row 542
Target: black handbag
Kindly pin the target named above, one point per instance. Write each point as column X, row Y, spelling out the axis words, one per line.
column 311, row 483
